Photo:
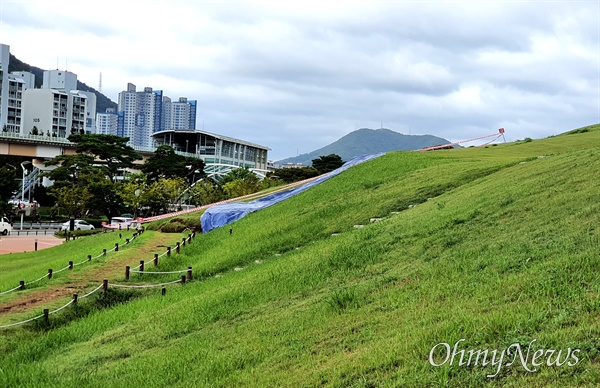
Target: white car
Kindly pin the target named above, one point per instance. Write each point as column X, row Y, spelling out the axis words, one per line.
column 79, row 225
column 5, row 226
column 121, row 223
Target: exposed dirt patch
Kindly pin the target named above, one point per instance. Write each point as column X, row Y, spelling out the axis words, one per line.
column 113, row 268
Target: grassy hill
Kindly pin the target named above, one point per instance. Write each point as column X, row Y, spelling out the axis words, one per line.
column 497, row 246
column 368, row 141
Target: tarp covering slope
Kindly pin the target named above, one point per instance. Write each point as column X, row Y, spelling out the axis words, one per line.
column 224, row 214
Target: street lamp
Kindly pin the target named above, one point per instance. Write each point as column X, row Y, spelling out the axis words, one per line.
column 186, row 146
column 23, row 190
column 23, row 181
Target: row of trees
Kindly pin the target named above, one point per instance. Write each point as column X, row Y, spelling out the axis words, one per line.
column 91, row 180
column 87, row 181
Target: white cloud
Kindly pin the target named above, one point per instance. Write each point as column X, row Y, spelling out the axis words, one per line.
column 296, row 76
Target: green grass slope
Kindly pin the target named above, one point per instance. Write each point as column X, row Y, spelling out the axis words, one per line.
column 497, row 246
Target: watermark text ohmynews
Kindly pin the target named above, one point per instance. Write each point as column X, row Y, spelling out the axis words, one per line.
column 445, row 354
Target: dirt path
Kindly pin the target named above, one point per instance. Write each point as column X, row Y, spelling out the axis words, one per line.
column 80, row 280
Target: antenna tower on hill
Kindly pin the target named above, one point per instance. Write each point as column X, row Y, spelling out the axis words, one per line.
column 100, row 83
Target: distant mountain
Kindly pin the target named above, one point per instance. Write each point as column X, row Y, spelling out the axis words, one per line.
column 368, row 141
column 102, row 102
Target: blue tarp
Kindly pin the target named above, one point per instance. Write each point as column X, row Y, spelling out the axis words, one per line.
column 224, row 214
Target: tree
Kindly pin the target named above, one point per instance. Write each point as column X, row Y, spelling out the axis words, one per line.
column 111, row 150
column 70, row 168
column 165, row 163
column 10, row 175
column 72, row 198
column 8, row 182
column 162, row 194
column 325, row 164
column 134, row 191
column 289, row 175
column 206, row 191
column 104, row 195
column 235, row 174
column 248, row 185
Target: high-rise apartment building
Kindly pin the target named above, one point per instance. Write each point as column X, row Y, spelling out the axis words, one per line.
column 166, row 116
column 4, row 60
column 59, row 80
column 107, row 123
column 27, row 77
column 140, row 115
column 11, row 93
column 90, row 119
column 54, row 112
column 58, row 109
column 183, row 114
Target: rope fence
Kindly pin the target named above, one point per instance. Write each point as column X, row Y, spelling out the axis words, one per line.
column 22, row 284
column 105, row 284
column 158, row 273
column 145, row 285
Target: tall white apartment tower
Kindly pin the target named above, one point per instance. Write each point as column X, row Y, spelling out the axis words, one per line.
column 11, row 93
column 27, row 77
column 90, row 120
column 4, row 60
column 107, row 123
column 166, row 116
column 140, row 115
column 183, row 114
column 59, row 80
column 54, row 112
column 127, row 108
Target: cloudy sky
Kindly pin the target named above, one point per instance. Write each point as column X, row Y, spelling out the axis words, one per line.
column 298, row 75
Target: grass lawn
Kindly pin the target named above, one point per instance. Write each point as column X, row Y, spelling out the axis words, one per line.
column 353, row 283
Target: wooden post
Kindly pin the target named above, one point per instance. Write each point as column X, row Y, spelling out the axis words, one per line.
column 104, row 252
column 189, row 274
column 164, row 291
column 70, row 265
column 126, row 272
column 141, row 265
column 89, row 257
column 177, row 247
column 120, row 236
column 75, row 299
column 156, row 259
column 22, row 284
column 49, row 273
column 116, row 247
column 183, row 241
column 46, row 314
column 126, row 241
column 169, row 251
column 36, row 244
column 105, row 285
column 182, row 279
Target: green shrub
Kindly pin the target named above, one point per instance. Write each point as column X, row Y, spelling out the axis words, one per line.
column 79, row 233
column 178, row 225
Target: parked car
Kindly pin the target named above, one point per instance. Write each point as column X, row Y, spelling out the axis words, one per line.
column 79, row 225
column 5, row 226
column 121, row 223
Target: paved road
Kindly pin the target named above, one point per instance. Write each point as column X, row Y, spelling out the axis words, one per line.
column 14, row 244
